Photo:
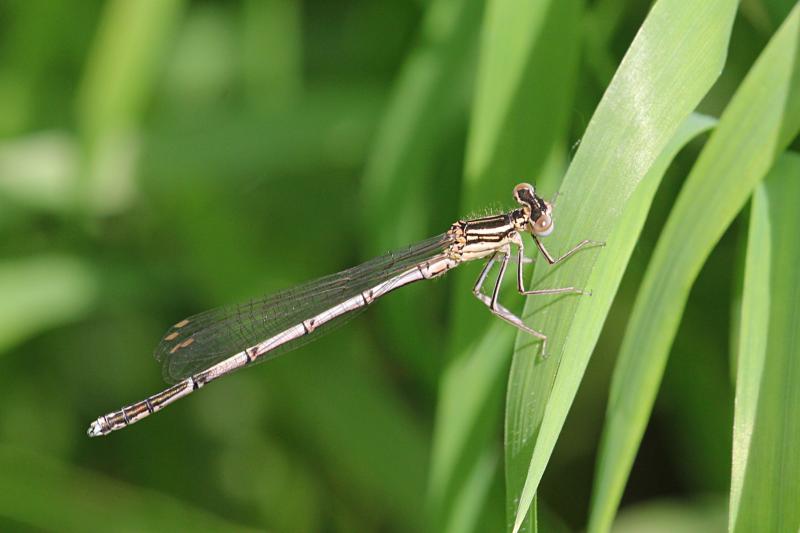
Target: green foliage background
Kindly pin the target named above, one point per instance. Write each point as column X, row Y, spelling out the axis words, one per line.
column 162, row 157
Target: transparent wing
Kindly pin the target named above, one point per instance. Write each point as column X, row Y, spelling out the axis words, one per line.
column 203, row 340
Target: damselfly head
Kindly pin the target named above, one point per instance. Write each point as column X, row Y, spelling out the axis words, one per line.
column 539, row 212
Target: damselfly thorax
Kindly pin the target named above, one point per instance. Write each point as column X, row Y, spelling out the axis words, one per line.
column 204, row 347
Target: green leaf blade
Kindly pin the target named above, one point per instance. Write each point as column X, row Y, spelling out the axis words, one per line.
column 524, row 93
column 422, row 112
column 639, row 114
column 765, row 480
column 758, row 123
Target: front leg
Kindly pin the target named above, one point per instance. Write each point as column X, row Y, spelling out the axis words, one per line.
column 521, row 282
column 577, row 247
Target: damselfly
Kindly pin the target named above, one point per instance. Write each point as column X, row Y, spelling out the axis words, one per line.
column 202, row 348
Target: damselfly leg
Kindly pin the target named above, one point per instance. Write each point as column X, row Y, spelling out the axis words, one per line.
column 521, row 282
column 574, row 249
column 502, row 312
column 494, row 306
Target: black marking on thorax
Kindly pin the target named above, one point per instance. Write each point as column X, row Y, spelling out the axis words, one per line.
column 488, row 229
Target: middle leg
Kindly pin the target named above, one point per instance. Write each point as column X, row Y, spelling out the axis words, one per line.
column 495, row 307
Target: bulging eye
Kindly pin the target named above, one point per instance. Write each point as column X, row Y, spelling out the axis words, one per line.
column 543, row 226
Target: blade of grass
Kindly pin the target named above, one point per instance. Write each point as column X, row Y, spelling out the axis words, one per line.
column 420, row 108
column 122, row 64
column 778, row 10
column 528, row 66
column 668, row 516
column 120, row 74
column 470, row 501
column 428, row 102
column 765, row 479
column 526, row 78
column 467, row 423
column 669, row 67
column 751, row 338
column 762, row 117
column 766, row 15
column 609, row 269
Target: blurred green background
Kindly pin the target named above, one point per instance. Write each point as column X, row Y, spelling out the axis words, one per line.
column 162, row 157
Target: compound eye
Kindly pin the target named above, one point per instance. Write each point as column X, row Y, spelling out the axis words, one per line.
column 543, row 226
